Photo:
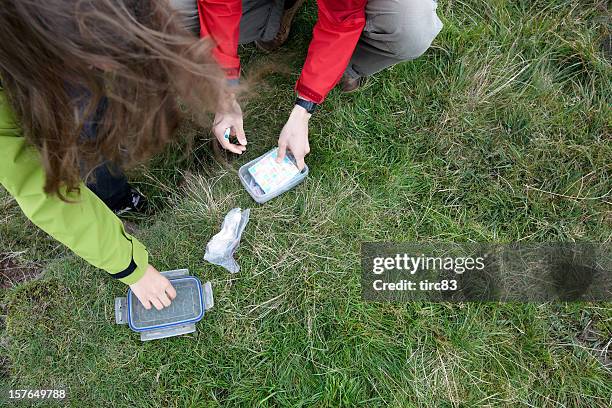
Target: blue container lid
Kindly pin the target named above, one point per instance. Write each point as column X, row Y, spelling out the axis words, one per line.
column 187, row 307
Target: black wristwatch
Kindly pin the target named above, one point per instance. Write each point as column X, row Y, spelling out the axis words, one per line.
column 310, row 106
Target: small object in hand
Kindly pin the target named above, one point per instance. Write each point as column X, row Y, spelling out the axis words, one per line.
column 188, row 307
column 220, row 154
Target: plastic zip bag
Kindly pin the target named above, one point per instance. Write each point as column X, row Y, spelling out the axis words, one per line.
column 220, row 249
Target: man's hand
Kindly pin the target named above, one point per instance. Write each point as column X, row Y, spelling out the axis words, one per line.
column 230, row 116
column 295, row 136
column 153, row 288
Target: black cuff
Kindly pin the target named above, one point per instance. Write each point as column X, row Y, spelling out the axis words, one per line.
column 126, row 272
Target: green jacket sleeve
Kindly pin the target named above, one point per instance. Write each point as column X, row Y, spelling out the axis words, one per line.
column 86, row 226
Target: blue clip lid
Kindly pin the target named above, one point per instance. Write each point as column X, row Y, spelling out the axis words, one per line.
column 187, row 307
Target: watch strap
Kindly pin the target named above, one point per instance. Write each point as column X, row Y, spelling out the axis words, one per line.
column 310, row 106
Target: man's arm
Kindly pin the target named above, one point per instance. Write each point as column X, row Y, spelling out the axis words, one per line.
column 87, row 226
column 334, row 38
column 220, row 19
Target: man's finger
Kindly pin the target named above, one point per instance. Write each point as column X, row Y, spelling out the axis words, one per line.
column 240, row 135
column 282, row 150
column 300, row 162
column 157, row 303
column 163, row 298
column 171, row 291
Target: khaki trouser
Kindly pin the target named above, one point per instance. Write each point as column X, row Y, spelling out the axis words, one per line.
column 395, row 30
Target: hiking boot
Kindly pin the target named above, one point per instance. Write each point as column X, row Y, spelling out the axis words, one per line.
column 350, row 84
column 291, row 9
column 134, row 203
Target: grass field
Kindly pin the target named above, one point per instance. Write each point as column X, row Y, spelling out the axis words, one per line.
column 500, row 133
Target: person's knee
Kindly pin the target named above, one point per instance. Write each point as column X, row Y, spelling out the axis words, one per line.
column 184, row 6
column 188, row 13
column 416, row 25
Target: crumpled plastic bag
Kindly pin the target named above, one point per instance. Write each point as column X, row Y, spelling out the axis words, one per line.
column 220, row 249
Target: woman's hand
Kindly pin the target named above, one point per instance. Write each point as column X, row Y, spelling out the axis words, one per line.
column 153, row 288
column 295, row 136
column 230, row 116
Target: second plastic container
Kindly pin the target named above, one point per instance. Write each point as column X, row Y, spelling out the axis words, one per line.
column 256, row 192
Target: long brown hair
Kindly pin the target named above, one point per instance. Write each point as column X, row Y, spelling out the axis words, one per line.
column 61, row 60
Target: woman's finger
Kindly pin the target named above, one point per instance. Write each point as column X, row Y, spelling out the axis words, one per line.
column 158, row 305
column 145, row 302
column 240, row 135
column 223, row 136
column 238, row 149
column 171, row 291
column 163, row 298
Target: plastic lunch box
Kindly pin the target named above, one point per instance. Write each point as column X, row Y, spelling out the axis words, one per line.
column 188, row 308
column 256, row 192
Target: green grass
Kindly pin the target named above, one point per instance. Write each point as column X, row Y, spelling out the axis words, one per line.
column 500, row 133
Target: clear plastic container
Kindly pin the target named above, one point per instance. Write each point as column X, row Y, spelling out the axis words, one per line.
column 256, row 192
column 188, row 308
